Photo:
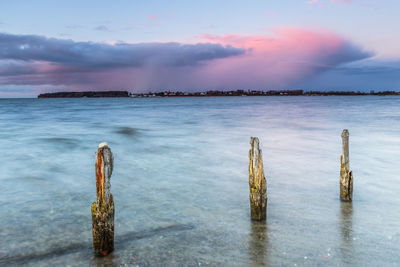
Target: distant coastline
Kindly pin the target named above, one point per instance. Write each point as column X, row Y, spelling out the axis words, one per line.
column 212, row 93
column 85, row 94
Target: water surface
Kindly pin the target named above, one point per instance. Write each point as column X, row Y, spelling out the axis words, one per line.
column 180, row 180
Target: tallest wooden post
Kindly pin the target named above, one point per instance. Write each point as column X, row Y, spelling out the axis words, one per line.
column 103, row 208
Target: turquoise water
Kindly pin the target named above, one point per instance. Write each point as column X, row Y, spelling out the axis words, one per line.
column 180, row 181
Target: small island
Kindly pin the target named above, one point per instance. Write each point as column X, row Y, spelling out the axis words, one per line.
column 85, row 94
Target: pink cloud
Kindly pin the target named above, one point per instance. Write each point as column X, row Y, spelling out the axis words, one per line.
column 169, row 14
column 282, row 60
column 152, row 16
column 322, row 2
column 341, row 1
column 312, row 2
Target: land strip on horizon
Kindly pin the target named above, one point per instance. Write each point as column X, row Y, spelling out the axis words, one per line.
column 212, row 93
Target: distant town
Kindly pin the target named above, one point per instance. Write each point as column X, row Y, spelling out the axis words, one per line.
column 212, row 93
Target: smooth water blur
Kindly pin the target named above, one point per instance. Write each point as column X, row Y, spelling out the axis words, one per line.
column 180, row 180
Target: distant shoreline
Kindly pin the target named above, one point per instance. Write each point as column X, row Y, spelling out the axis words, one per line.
column 97, row 94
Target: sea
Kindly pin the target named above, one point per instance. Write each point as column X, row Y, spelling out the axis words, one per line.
column 180, row 180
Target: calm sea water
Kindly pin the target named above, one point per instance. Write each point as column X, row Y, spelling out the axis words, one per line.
column 180, row 181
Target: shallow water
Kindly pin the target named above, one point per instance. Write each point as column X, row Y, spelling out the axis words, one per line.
column 180, row 180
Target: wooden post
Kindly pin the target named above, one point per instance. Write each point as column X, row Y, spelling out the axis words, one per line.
column 346, row 176
column 257, row 182
column 103, row 208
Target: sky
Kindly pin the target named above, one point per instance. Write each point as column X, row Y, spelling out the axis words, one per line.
column 142, row 46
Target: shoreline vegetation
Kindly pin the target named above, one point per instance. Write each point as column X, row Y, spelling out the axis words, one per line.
column 212, row 93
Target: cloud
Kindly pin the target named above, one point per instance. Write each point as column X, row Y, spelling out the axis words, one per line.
column 362, row 75
column 64, row 34
column 106, row 56
column 322, row 2
column 49, row 60
column 342, row 1
column 102, row 28
column 312, row 2
column 283, row 59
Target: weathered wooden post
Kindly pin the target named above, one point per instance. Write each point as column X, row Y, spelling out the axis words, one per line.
column 103, row 208
column 257, row 182
column 346, row 176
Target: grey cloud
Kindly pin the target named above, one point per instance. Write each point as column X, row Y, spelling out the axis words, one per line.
column 11, row 68
column 349, row 53
column 323, row 59
column 102, row 28
column 369, row 67
column 89, row 55
column 64, row 34
column 362, row 75
column 74, row 27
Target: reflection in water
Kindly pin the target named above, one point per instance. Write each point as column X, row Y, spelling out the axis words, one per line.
column 346, row 225
column 127, row 131
column 85, row 249
column 110, row 260
column 258, row 248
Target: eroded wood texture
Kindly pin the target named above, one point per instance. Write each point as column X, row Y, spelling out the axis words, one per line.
column 103, row 208
column 346, row 176
column 257, row 182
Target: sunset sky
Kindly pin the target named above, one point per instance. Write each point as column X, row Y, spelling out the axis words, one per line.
column 140, row 46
